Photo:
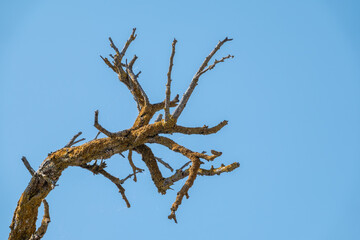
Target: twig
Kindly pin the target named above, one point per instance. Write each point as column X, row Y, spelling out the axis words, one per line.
column 130, row 175
column 72, row 141
column 27, row 165
column 159, row 117
column 79, row 141
column 134, row 168
column 164, row 163
column 185, row 188
column 113, row 179
column 127, row 44
column 107, row 62
column 132, row 62
column 205, row 130
column 106, row 132
column 195, row 79
column 186, row 164
column 113, row 46
column 99, row 127
column 216, row 62
column 97, row 135
column 168, row 84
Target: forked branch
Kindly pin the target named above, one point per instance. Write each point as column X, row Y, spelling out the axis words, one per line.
column 195, row 80
column 133, row 139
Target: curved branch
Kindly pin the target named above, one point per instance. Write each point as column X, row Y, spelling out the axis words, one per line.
column 167, row 142
column 193, row 170
column 44, row 223
column 205, row 130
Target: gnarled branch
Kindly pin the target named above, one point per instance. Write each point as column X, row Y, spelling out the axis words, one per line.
column 135, row 138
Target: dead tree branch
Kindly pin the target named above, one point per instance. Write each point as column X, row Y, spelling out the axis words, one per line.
column 133, row 139
column 168, row 84
column 195, row 80
column 97, row 169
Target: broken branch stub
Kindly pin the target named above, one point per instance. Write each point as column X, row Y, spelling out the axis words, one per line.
column 137, row 139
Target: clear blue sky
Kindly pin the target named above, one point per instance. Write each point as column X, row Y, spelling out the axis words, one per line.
column 291, row 95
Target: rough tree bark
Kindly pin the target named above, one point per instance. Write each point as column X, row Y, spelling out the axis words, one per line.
column 133, row 139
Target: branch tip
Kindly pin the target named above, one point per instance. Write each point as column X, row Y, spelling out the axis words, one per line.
column 28, row 166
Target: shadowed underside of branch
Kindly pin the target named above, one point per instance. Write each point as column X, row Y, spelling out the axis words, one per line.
column 135, row 139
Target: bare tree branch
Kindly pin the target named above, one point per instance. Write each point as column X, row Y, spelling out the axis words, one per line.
column 180, row 174
column 134, row 168
column 27, row 165
column 165, row 164
column 97, row 135
column 135, row 138
column 193, row 170
column 106, row 132
column 72, row 141
column 216, row 62
column 167, row 142
column 205, row 130
column 195, row 80
column 100, row 170
column 159, row 117
column 168, row 84
column 40, row 232
column 127, row 44
column 44, row 223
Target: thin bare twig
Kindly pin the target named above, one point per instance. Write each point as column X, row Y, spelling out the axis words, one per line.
column 107, row 62
column 106, row 132
column 99, row 127
column 165, row 164
column 168, row 84
column 159, row 117
column 195, row 80
column 127, row 44
column 130, row 175
column 216, row 62
column 97, row 135
column 72, row 141
column 186, row 164
column 113, row 179
column 134, row 168
column 28, row 166
column 131, row 64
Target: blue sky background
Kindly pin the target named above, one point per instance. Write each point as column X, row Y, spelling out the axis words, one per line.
column 291, row 95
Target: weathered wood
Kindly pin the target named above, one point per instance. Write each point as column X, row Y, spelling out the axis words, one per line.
column 23, row 225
